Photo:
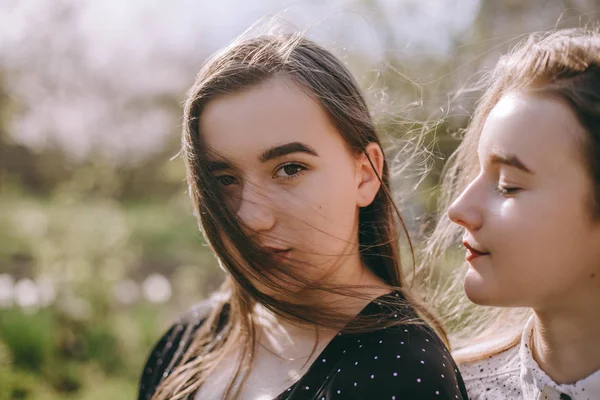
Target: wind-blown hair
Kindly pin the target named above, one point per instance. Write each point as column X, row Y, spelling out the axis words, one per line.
column 564, row 65
column 242, row 65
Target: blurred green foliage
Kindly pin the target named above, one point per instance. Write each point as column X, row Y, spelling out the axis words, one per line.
column 87, row 245
column 80, row 240
column 86, row 344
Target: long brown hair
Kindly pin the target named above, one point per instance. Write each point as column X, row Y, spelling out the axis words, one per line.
column 245, row 64
column 564, row 64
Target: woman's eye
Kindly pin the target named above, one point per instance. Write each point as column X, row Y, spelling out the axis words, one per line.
column 507, row 190
column 226, row 180
column 290, row 170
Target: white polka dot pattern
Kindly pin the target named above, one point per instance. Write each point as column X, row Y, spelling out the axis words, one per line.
column 400, row 362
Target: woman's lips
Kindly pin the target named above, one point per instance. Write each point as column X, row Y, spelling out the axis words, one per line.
column 282, row 253
column 472, row 254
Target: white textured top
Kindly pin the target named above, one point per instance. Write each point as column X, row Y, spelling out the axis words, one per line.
column 514, row 374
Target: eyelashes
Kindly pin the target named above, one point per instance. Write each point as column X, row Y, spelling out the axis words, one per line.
column 226, row 180
column 286, row 171
column 292, row 170
column 507, row 190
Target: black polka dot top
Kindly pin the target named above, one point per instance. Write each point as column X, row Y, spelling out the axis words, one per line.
column 400, row 362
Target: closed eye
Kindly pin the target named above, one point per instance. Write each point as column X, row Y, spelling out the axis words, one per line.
column 507, row 190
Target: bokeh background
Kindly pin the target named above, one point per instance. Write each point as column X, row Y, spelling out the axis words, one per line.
column 99, row 250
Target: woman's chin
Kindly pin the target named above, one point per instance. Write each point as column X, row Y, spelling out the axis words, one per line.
column 478, row 290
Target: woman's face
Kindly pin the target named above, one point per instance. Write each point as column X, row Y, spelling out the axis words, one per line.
column 530, row 236
column 288, row 174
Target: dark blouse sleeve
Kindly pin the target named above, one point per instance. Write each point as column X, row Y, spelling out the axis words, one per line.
column 158, row 362
column 408, row 362
column 170, row 348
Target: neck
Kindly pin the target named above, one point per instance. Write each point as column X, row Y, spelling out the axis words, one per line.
column 359, row 286
column 286, row 339
column 294, row 339
column 566, row 341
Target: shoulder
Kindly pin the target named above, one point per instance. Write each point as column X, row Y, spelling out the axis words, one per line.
column 170, row 348
column 494, row 377
column 408, row 361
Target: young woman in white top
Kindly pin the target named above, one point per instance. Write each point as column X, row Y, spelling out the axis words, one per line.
column 523, row 189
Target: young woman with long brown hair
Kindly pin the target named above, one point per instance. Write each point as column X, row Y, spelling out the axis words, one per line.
column 523, row 191
column 291, row 188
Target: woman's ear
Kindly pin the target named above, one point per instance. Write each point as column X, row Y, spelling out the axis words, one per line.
column 367, row 175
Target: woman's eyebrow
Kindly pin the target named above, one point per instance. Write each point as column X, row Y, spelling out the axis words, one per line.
column 511, row 160
column 217, row 166
column 285, row 149
column 267, row 155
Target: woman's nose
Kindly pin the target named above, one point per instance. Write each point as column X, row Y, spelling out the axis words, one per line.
column 256, row 210
column 466, row 210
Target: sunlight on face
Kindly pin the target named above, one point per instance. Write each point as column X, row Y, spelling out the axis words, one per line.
column 528, row 226
column 287, row 172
